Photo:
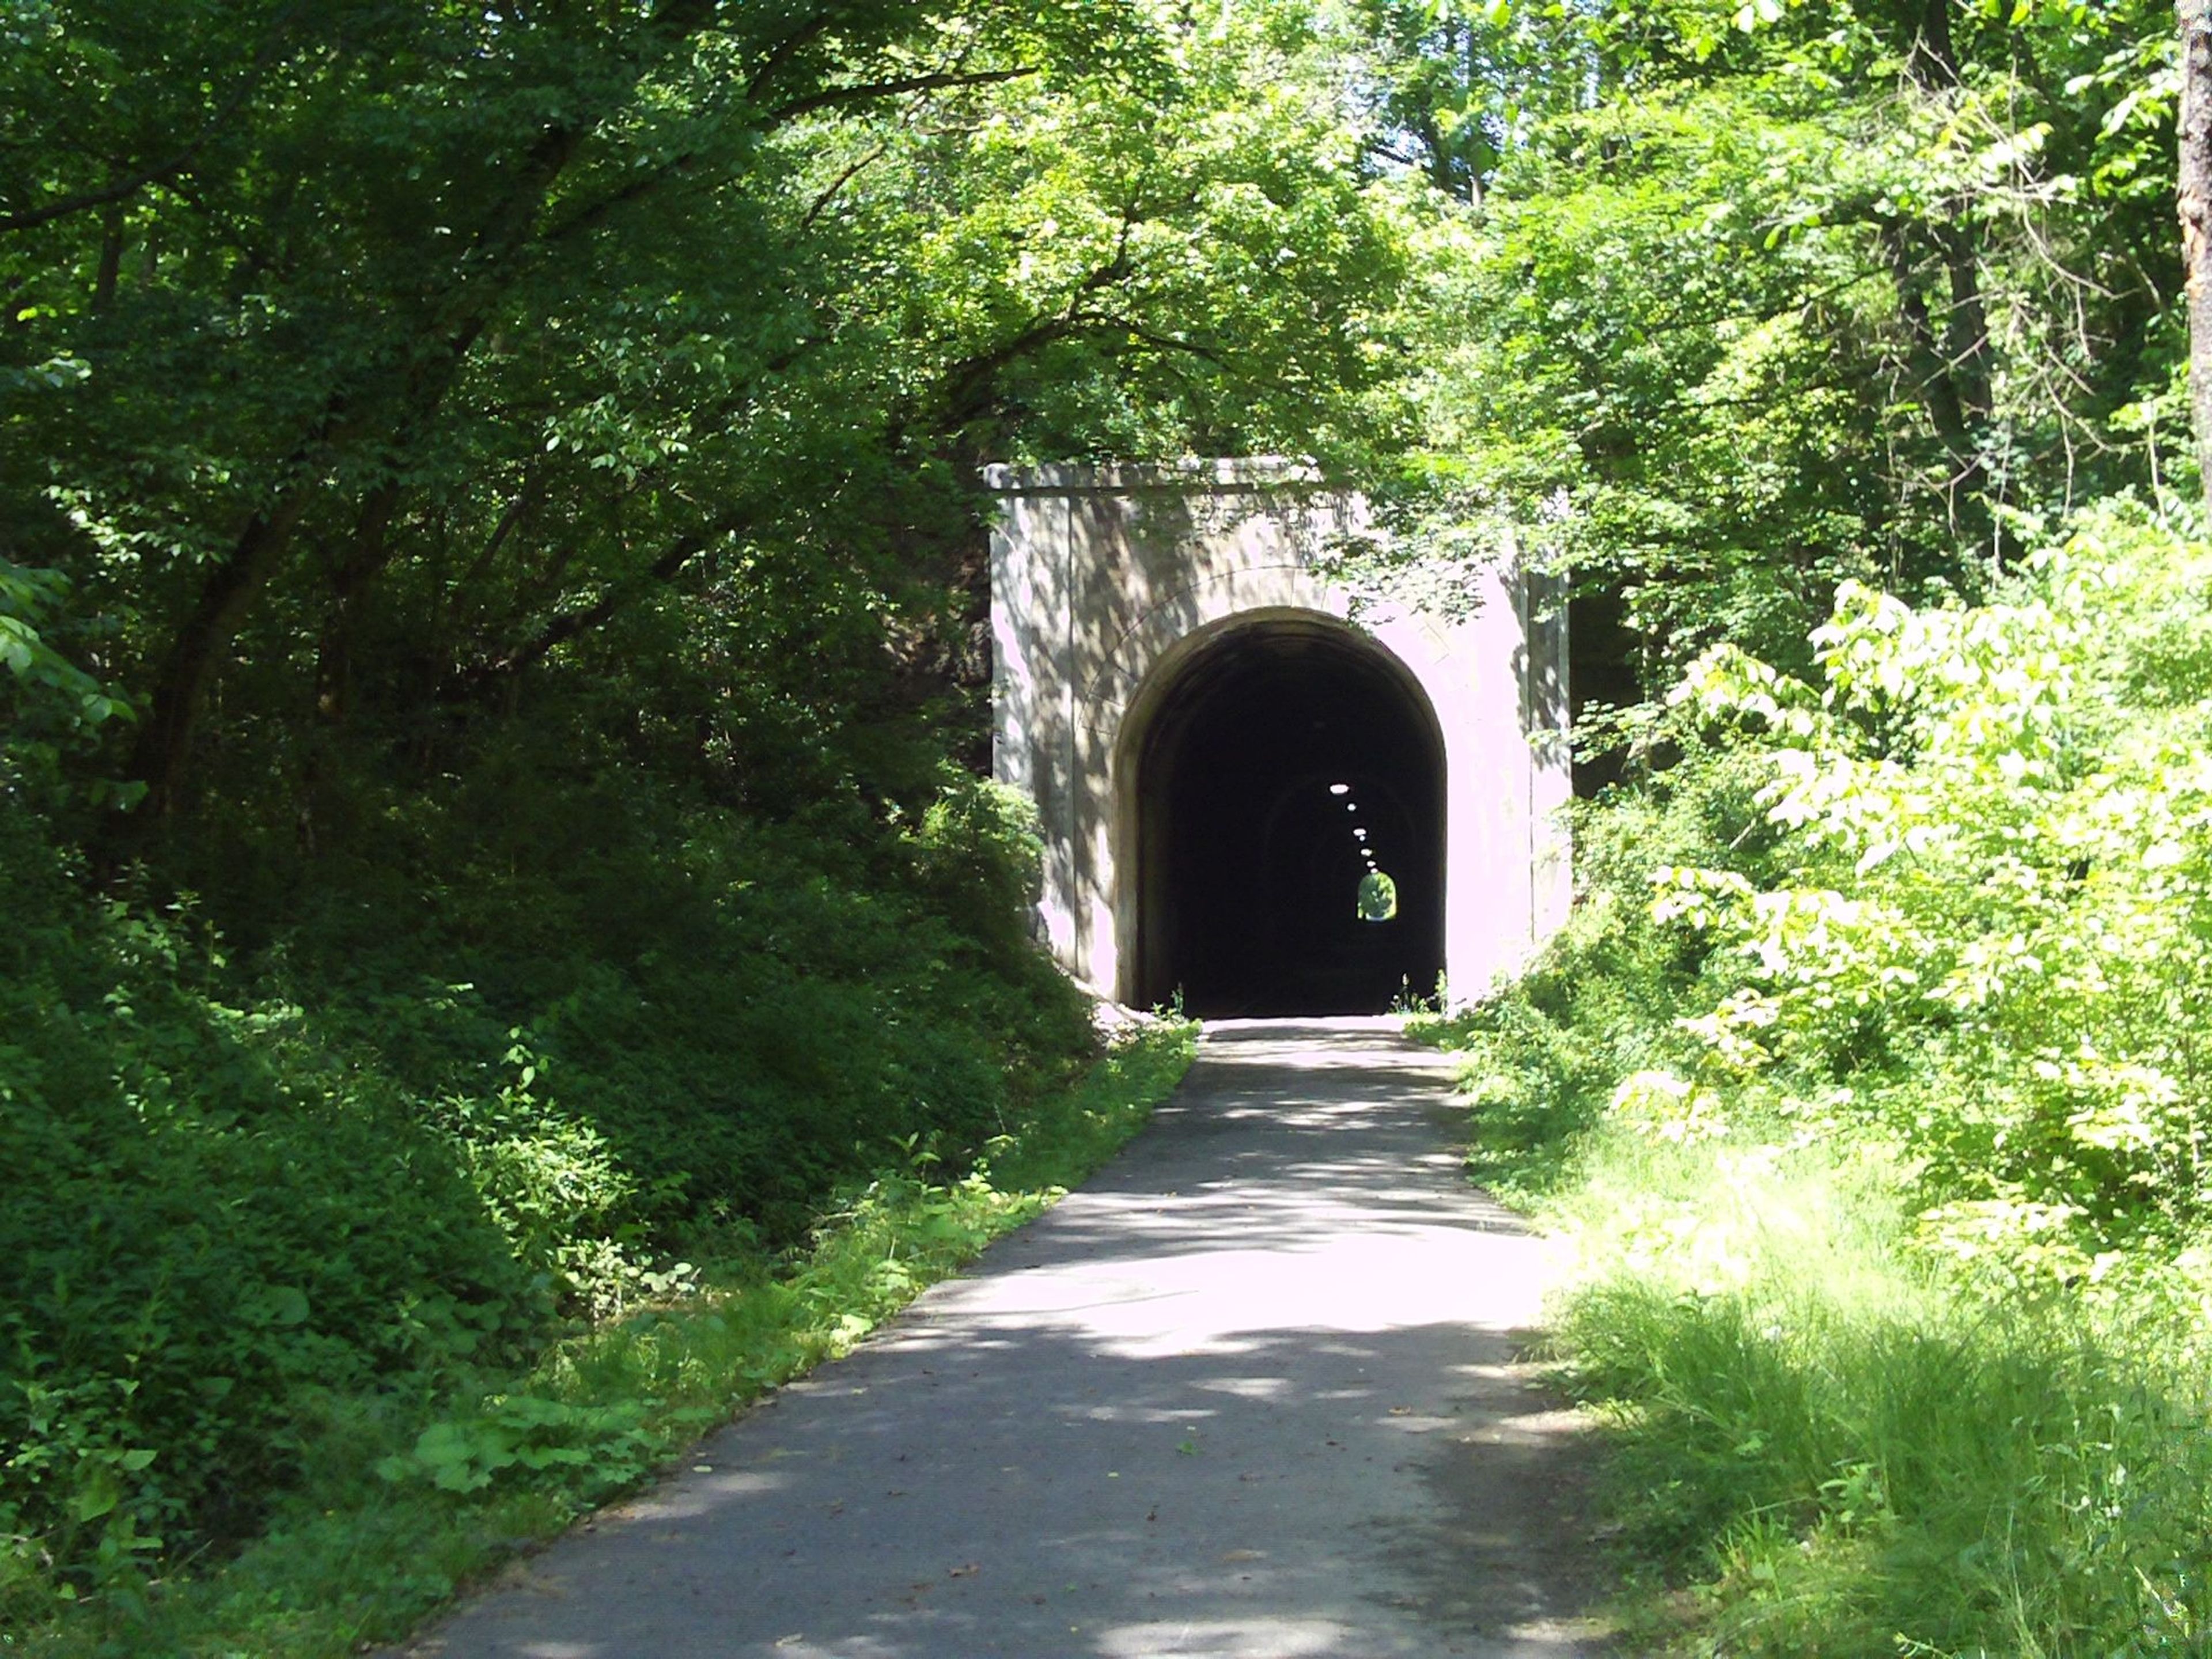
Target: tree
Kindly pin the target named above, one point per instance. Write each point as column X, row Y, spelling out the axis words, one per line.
column 1788, row 294
column 366, row 359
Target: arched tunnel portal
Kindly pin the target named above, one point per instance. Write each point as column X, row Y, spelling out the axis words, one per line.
column 1178, row 685
column 1284, row 767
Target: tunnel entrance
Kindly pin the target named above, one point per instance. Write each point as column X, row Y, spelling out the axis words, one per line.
column 1289, row 796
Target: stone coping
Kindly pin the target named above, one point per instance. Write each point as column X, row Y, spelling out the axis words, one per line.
column 1117, row 478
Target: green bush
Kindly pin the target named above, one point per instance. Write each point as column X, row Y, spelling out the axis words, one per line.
column 212, row 1223
column 489, row 1076
column 1864, row 1083
column 1982, row 931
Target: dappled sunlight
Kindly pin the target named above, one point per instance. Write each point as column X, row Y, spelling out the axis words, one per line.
column 1248, row 1388
column 1199, row 1302
column 710, row 1489
column 1256, row 1390
column 1249, row 1639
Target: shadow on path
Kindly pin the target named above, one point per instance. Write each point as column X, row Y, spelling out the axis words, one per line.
column 1252, row 1392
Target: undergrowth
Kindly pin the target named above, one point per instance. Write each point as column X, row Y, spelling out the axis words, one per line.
column 1862, row 1084
column 1846, row 1448
column 400, row 1500
column 306, row 1139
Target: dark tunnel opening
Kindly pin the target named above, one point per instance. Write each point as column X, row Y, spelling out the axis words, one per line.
column 1289, row 763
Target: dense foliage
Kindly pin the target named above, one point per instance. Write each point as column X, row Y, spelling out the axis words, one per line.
column 1992, row 887
column 359, row 363
column 1763, row 298
column 1878, row 1108
column 490, row 548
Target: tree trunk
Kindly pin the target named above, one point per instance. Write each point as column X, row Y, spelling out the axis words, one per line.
column 162, row 759
column 161, row 755
column 349, row 579
column 2194, row 201
column 1933, row 61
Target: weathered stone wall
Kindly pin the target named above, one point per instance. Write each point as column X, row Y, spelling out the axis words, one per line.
column 1104, row 582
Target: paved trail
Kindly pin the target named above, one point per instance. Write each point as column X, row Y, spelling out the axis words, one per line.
column 1250, row 1395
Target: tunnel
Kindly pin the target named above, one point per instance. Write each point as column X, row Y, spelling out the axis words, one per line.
column 1289, row 796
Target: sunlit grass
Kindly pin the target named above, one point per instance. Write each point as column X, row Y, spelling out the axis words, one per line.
column 1846, row 1450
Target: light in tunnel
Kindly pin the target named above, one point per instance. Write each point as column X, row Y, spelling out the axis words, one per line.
column 1378, row 896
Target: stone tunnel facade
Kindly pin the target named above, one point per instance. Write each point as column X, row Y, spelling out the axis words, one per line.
column 1201, row 714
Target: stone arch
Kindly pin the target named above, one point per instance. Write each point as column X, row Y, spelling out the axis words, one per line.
column 1271, row 834
column 1106, row 582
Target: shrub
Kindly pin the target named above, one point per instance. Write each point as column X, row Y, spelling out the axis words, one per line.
column 1864, row 1081
column 494, row 1080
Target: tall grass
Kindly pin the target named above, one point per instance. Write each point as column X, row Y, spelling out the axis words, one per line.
column 1865, row 1086
column 1829, row 1436
column 1849, row 1451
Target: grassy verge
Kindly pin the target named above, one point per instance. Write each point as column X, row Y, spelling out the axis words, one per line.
column 1828, row 1437
column 399, row 1507
column 1866, row 1080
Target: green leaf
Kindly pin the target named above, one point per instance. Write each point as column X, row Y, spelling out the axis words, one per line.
column 288, row 1305
column 100, row 1495
column 445, row 1443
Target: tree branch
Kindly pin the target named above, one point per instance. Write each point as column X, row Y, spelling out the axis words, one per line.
column 598, row 212
column 783, row 51
column 834, row 97
column 129, row 185
column 567, row 624
column 501, row 531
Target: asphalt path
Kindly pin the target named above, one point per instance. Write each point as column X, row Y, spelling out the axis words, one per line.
column 1255, row 1392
